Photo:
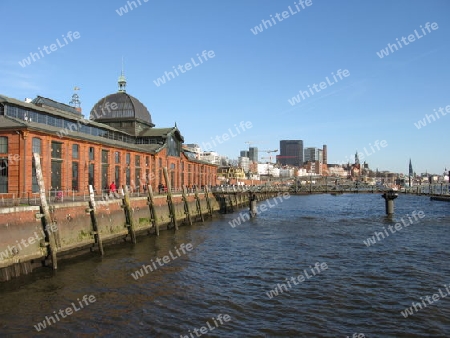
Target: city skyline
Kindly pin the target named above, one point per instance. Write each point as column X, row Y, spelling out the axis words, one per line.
column 372, row 78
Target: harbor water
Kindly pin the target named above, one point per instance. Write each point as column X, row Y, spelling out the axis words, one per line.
column 303, row 267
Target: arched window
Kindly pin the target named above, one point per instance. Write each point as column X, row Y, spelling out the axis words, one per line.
column 37, row 145
column 3, row 145
column 36, row 148
column 3, row 175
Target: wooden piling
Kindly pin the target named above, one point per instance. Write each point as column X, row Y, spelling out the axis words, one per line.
column 252, row 205
column 129, row 214
column 49, row 227
column 92, row 212
column 169, row 199
column 151, row 205
column 231, row 202
column 208, row 202
column 187, row 210
column 199, row 206
column 235, row 197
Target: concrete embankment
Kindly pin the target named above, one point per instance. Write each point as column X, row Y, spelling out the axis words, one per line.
column 27, row 241
column 24, row 241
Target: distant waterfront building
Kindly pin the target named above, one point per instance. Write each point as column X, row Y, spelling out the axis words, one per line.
column 314, row 167
column 244, row 163
column 210, row 157
column 192, row 147
column 286, row 172
column 337, row 170
column 253, row 154
column 230, row 175
column 291, row 153
column 313, row 154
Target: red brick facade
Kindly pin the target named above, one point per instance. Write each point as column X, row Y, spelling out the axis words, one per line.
column 148, row 166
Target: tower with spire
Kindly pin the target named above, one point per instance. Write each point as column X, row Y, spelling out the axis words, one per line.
column 411, row 172
column 356, row 158
column 122, row 82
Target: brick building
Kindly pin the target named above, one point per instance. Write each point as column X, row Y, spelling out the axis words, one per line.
column 117, row 143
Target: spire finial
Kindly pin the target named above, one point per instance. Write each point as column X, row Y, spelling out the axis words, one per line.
column 122, row 81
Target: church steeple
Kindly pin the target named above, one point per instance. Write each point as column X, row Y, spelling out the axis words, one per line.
column 122, row 82
column 411, row 172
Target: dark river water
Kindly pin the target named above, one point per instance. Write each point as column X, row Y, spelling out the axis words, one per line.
column 258, row 279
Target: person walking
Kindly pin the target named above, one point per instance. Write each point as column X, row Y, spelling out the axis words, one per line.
column 112, row 187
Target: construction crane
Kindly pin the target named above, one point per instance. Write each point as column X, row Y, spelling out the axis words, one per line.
column 270, row 159
column 269, row 152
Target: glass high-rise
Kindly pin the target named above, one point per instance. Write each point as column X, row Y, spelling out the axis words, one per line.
column 291, row 152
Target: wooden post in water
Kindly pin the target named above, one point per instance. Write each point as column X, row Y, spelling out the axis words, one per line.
column 235, row 197
column 92, row 212
column 187, row 211
column 129, row 214
column 199, row 206
column 151, row 205
column 252, row 203
column 169, row 199
column 49, row 225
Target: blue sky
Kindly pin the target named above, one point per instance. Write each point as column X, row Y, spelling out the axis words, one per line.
column 251, row 77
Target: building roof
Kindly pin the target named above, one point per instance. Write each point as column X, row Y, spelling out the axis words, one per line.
column 128, row 108
column 161, row 132
column 55, row 112
column 11, row 122
column 8, row 123
column 43, row 101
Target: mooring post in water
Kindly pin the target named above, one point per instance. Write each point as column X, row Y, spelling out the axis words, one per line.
column 169, row 199
column 151, row 205
column 389, row 198
column 49, row 226
column 187, row 210
column 129, row 214
column 199, row 206
column 252, row 205
column 92, row 212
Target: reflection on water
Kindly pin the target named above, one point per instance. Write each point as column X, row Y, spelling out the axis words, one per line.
column 230, row 271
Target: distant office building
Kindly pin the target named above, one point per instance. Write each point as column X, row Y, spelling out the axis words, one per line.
column 312, row 154
column 244, row 153
column 291, row 153
column 253, row 154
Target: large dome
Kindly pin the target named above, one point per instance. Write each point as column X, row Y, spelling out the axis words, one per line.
column 127, row 108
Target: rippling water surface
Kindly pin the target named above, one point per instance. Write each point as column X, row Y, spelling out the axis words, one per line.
column 230, row 271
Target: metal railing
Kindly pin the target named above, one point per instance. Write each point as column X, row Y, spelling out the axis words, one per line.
column 55, row 196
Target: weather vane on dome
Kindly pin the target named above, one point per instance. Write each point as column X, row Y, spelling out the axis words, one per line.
column 75, row 98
